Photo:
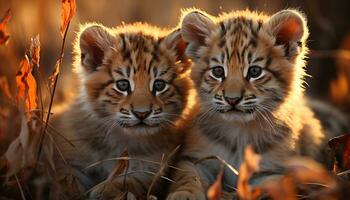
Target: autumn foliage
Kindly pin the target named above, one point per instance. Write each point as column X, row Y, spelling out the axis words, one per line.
column 303, row 179
column 4, row 35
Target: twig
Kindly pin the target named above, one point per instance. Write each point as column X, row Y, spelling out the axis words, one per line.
column 163, row 165
column 53, row 91
column 344, row 173
column 221, row 160
column 128, row 173
column 128, row 158
column 20, row 188
column 58, row 133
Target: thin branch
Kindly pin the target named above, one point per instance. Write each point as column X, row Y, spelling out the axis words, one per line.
column 53, row 91
column 221, row 160
column 20, row 188
column 129, row 158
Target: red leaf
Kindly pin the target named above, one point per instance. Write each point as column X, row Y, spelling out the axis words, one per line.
column 26, row 85
column 35, row 50
column 68, row 11
column 4, row 35
column 4, row 88
column 336, row 141
column 346, row 155
column 249, row 166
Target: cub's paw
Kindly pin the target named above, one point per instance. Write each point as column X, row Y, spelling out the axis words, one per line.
column 186, row 195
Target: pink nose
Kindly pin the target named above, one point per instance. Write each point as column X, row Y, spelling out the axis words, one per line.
column 141, row 115
column 233, row 101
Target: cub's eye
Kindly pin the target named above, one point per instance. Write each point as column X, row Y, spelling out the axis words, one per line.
column 159, row 85
column 218, row 72
column 254, row 72
column 123, row 85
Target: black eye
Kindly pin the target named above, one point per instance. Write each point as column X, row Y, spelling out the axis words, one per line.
column 218, row 72
column 254, row 71
column 123, row 85
column 158, row 85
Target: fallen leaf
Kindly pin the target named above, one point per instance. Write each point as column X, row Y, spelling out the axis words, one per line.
column 280, row 189
column 249, row 166
column 335, row 143
column 4, row 35
column 346, row 154
column 4, row 88
column 67, row 13
column 215, row 190
column 22, row 152
column 35, row 50
column 26, row 85
column 306, row 170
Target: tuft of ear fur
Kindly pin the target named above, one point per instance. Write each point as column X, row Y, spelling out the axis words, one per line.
column 94, row 41
column 195, row 28
column 176, row 42
column 290, row 29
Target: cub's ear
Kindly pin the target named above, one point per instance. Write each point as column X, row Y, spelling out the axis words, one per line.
column 290, row 29
column 195, row 28
column 94, row 41
column 176, row 42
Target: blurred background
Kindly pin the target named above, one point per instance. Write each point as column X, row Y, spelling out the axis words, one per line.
column 328, row 62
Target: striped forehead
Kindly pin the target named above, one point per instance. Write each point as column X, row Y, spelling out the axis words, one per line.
column 238, row 42
column 140, row 54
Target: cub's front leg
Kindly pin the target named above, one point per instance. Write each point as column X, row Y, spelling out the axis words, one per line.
column 187, row 184
column 131, row 188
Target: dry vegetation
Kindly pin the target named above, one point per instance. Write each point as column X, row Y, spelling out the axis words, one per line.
column 25, row 121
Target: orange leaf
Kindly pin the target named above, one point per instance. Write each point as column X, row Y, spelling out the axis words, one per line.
column 35, row 50
column 4, row 88
column 215, row 190
column 248, row 167
column 282, row 189
column 67, row 13
column 54, row 74
column 4, row 35
column 26, row 85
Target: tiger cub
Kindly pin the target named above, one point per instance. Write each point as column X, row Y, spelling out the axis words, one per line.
column 248, row 72
column 133, row 95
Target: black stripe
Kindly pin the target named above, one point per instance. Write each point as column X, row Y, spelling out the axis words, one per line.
column 119, row 72
column 215, row 60
column 123, row 42
column 128, row 70
column 102, row 87
column 223, row 58
column 249, row 57
column 227, row 54
column 223, row 29
column 164, row 71
column 258, row 59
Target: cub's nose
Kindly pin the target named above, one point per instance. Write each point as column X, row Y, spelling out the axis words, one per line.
column 233, row 100
column 141, row 115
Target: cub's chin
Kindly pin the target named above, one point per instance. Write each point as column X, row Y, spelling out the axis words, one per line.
column 237, row 116
column 142, row 129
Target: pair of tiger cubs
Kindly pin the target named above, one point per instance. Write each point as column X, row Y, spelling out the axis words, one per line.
column 136, row 94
